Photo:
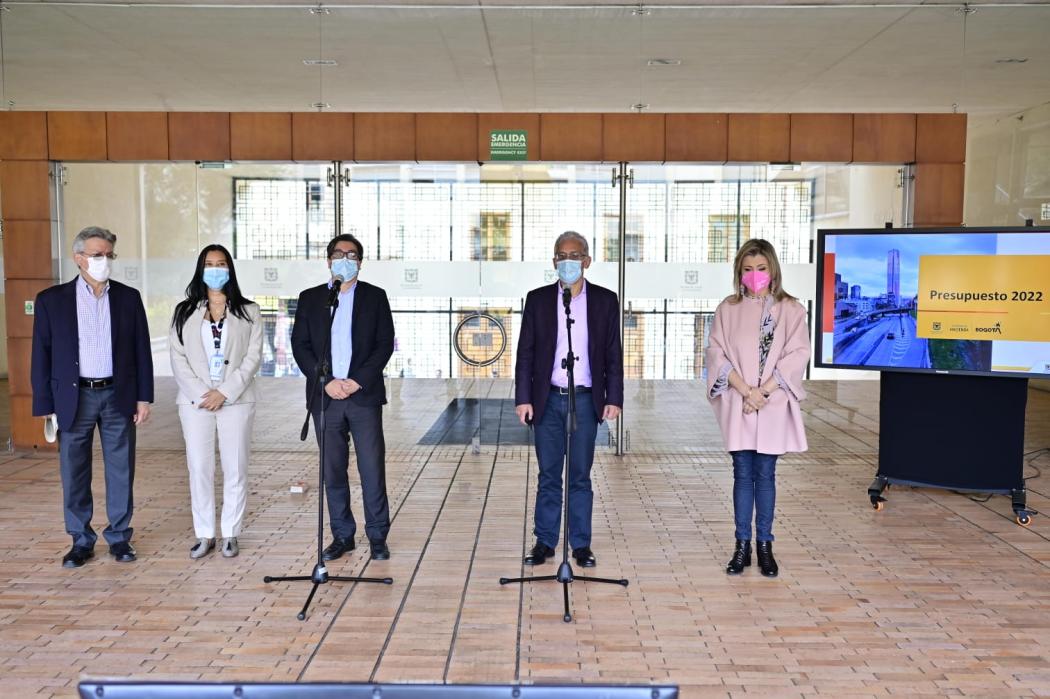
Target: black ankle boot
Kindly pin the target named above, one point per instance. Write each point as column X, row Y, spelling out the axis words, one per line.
column 766, row 563
column 741, row 557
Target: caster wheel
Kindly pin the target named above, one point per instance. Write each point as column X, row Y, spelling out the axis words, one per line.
column 877, row 503
column 1024, row 520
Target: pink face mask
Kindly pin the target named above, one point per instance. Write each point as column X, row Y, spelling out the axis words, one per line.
column 756, row 280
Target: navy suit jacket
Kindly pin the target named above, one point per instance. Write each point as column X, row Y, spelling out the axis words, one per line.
column 538, row 341
column 372, row 339
column 56, row 352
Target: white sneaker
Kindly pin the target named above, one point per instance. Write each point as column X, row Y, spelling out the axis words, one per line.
column 229, row 547
column 202, row 548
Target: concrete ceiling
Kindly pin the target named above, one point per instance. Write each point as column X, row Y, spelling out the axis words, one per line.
column 491, row 57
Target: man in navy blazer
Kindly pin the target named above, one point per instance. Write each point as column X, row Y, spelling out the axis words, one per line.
column 359, row 347
column 541, row 391
column 92, row 365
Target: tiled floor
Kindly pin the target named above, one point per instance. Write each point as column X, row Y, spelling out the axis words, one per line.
column 938, row 594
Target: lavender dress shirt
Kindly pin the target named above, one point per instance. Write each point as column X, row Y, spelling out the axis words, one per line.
column 580, row 342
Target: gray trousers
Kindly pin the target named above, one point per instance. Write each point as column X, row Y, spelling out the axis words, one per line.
column 117, row 434
column 345, row 419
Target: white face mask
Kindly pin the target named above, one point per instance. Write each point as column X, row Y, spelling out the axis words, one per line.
column 99, row 268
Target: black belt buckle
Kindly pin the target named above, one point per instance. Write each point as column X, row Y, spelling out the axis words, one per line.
column 96, row 383
column 565, row 391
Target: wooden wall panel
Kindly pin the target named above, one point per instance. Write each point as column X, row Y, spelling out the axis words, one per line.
column 23, row 135
column 16, row 293
column 76, row 136
column 19, row 360
column 137, row 135
column 700, row 138
column 27, row 431
column 27, row 249
column 939, row 189
column 199, row 136
column 571, row 137
column 25, row 189
column 321, row 136
column 821, row 138
column 940, row 138
column 884, row 138
column 633, row 137
column 451, row 137
column 759, row 138
column 384, row 136
column 261, row 136
column 530, row 123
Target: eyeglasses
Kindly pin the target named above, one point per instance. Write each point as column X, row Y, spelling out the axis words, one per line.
column 99, row 255
column 562, row 256
column 339, row 254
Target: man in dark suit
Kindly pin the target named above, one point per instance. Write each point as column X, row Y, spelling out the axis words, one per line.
column 92, row 365
column 541, row 391
column 353, row 394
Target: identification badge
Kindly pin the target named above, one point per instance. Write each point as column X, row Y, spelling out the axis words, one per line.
column 216, row 366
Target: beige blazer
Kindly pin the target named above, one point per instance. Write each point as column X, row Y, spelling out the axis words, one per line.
column 189, row 362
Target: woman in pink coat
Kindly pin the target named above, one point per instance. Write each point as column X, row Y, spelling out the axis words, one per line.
column 756, row 359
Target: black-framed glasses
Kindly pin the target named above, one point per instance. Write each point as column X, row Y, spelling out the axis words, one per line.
column 577, row 256
column 339, row 254
column 100, row 255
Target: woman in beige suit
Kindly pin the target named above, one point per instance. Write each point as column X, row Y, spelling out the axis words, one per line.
column 216, row 348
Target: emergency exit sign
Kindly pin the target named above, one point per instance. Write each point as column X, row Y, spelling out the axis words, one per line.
column 508, row 144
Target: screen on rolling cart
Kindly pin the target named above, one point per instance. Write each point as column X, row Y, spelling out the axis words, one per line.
column 950, row 300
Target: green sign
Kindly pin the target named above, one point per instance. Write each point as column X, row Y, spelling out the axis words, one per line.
column 508, row 144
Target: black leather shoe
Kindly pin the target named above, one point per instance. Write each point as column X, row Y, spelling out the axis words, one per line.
column 337, row 548
column 585, row 557
column 380, row 552
column 538, row 554
column 741, row 557
column 766, row 563
column 123, row 552
column 77, row 556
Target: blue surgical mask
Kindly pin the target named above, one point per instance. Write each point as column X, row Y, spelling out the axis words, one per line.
column 570, row 271
column 345, row 268
column 216, row 277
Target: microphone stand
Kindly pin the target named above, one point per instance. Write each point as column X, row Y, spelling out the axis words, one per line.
column 320, row 575
column 565, row 573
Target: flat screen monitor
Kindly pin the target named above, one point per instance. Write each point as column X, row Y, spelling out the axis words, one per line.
column 950, row 300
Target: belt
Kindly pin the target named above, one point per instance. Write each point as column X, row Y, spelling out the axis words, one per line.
column 96, row 383
column 565, row 391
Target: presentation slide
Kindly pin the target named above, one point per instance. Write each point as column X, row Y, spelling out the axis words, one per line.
column 956, row 301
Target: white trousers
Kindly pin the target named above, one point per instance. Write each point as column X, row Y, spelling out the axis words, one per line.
column 234, row 425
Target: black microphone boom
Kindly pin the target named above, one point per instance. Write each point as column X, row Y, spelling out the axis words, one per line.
column 333, row 293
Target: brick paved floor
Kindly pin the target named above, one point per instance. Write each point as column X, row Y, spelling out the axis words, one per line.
column 938, row 594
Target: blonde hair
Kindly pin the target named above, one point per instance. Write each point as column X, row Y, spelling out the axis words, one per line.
column 761, row 247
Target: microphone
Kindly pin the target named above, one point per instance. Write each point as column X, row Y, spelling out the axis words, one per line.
column 333, row 293
column 566, row 296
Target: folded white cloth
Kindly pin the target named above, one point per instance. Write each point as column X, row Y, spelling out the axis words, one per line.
column 51, row 428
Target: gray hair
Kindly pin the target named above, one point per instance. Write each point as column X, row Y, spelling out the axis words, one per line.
column 572, row 235
column 93, row 232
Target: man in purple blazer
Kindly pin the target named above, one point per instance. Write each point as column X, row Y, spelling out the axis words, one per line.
column 541, row 394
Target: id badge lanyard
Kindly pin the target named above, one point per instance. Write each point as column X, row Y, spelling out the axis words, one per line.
column 217, row 362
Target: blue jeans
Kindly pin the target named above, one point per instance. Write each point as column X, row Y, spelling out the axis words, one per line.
column 117, row 433
column 754, row 490
column 550, row 452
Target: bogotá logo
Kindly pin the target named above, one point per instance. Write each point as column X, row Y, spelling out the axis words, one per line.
column 936, row 326
column 996, row 329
